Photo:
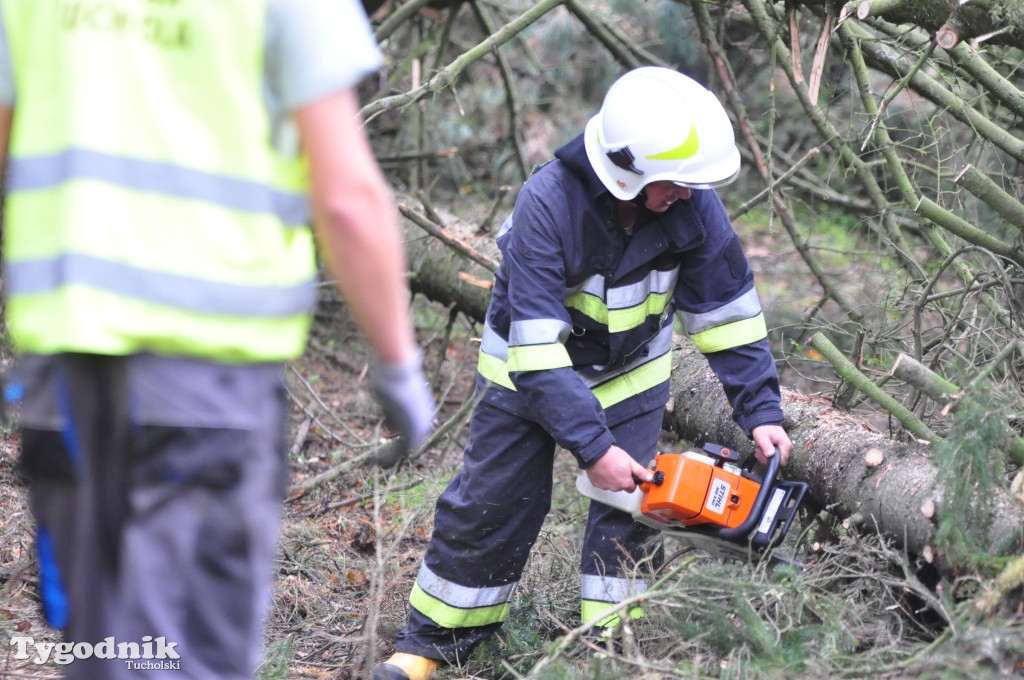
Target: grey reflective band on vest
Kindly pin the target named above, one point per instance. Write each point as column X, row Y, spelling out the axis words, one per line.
column 538, row 332
column 47, row 172
column 462, row 597
column 29, row 277
column 745, row 306
column 608, row 589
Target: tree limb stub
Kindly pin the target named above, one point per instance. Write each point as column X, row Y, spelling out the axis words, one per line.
column 982, row 186
column 944, row 392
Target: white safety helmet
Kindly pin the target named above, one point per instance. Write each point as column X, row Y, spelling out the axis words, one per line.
column 657, row 124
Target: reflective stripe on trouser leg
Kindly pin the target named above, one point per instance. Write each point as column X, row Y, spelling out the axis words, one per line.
column 615, row 546
column 485, row 524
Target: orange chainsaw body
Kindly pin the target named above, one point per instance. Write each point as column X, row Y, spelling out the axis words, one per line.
column 698, row 489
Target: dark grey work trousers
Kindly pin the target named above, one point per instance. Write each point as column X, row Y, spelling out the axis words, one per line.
column 488, row 518
column 156, row 485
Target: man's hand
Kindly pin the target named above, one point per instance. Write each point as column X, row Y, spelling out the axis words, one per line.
column 614, row 471
column 767, row 438
column 405, row 398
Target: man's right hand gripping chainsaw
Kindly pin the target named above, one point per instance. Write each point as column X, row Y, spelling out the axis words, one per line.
column 705, row 498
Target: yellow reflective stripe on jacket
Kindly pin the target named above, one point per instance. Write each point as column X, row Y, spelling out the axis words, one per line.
column 746, row 306
column 627, row 306
column 538, row 357
column 171, row 331
column 191, row 239
column 537, row 345
column 148, row 198
column 616, row 386
column 647, row 375
column 731, row 335
column 588, row 304
column 495, row 370
column 624, row 319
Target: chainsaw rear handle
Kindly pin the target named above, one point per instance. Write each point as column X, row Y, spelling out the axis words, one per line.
column 763, row 494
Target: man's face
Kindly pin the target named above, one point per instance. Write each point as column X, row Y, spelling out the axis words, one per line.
column 661, row 195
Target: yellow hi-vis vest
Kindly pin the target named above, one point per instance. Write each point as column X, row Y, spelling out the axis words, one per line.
column 146, row 207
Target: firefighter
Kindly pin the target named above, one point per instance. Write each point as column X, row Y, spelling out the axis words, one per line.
column 159, row 271
column 605, row 244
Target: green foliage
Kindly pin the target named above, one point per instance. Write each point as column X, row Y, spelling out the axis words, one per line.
column 522, row 639
column 274, row 665
column 971, row 465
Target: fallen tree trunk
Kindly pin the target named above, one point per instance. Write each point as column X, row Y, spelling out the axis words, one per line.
column 851, row 470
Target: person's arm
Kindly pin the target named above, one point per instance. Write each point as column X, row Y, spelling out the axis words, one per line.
column 719, row 307
column 356, row 223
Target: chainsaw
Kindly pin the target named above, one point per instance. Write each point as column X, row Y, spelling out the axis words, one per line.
column 707, row 499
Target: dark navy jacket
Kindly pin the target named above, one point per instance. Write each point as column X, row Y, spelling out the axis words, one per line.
column 562, row 236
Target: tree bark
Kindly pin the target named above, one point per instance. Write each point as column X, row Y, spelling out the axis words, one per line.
column 835, row 453
column 1002, row 20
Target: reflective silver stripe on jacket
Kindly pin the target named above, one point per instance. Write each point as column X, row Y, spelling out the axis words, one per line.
column 657, row 282
column 608, row 589
column 29, row 277
column 463, row 597
column 47, row 172
column 594, row 285
column 745, row 306
column 657, row 347
column 538, row 332
column 493, row 345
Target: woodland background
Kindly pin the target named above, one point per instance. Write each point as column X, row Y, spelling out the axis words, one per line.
column 880, row 206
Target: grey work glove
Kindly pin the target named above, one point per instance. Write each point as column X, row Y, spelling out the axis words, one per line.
column 404, row 396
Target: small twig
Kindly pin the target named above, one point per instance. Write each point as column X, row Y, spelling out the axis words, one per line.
column 326, row 408
column 298, row 490
column 428, row 209
column 485, row 226
column 354, row 500
column 745, row 208
column 889, row 96
column 300, row 436
column 449, row 152
column 453, row 315
column 510, row 94
column 446, row 76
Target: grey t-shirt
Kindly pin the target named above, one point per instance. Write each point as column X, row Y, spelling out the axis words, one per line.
column 314, row 48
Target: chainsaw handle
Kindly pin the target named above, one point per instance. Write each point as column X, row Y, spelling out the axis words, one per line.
column 762, row 497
